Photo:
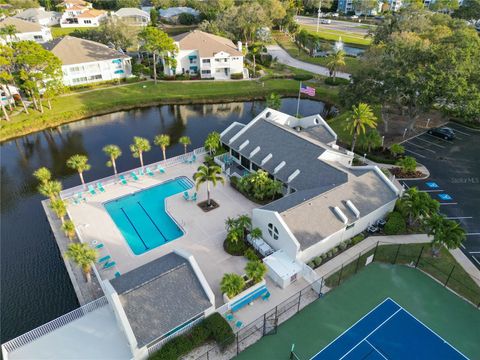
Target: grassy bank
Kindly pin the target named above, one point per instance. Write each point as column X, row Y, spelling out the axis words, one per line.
column 81, row 105
column 333, row 35
column 352, row 64
column 57, row 31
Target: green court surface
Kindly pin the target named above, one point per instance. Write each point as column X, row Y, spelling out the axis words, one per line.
column 455, row 320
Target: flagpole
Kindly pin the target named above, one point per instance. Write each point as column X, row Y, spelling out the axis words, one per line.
column 298, row 101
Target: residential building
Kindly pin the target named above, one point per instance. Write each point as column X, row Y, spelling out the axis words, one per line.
column 326, row 199
column 40, row 16
column 345, row 6
column 85, row 61
column 79, row 13
column 133, row 16
column 25, row 30
column 207, row 55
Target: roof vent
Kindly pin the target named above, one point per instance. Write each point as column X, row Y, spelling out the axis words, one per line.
column 266, row 158
column 245, row 143
column 254, row 151
column 353, row 208
column 279, row 167
column 340, row 214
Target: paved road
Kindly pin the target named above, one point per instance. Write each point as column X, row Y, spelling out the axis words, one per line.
column 335, row 25
column 454, row 179
column 284, row 58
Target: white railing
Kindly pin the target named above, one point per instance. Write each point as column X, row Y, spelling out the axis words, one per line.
column 109, row 180
column 54, row 324
column 155, row 347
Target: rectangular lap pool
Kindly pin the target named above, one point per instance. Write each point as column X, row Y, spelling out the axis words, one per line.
column 142, row 219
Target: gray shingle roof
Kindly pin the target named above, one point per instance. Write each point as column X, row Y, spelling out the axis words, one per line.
column 159, row 296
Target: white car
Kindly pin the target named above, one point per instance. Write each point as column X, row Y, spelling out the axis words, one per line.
column 335, row 15
column 354, row 17
column 325, row 21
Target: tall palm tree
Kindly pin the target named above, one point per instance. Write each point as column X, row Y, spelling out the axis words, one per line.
column 139, row 146
column 185, row 141
column 80, row 163
column 162, row 140
column 50, row 189
column 212, row 142
column 335, row 62
column 362, row 117
column 417, row 205
column 83, row 255
column 114, row 152
column 208, row 174
column 43, row 175
column 59, row 208
column 244, row 222
column 68, row 228
column 445, row 232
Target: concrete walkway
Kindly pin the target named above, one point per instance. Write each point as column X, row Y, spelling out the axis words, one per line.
column 284, row 58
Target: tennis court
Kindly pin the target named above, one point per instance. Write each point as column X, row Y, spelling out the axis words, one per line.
column 388, row 332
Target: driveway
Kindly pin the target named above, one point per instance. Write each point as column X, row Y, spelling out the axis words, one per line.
column 454, row 179
column 284, row 58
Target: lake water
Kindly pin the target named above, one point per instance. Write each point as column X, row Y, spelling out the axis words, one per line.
column 35, row 287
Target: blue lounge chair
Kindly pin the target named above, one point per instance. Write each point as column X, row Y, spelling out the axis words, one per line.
column 91, row 189
column 238, row 324
column 148, row 171
column 76, row 200
column 140, row 172
column 99, row 246
column 103, row 259
column 229, row 317
column 160, row 169
column 80, row 197
column 266, row 296
column 194, row 197
column 100, row 187
column 134, row 176
column 186, row 196
column 123, row 181
column 194, row 158
column 110, row 264
column 117, row 274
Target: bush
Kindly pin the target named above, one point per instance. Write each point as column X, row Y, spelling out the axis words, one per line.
column 318, row 261
column 335, row 250
column 408, row 164
column 395, row 224
column 187, row 19
column 236, row 76
column 235, row 248
column 265, row 60
column 140, row 69
column 219, row 329
column 343, row 245
column 329, row 254
column 251, row 255
column 356, row 239
column 311, row 264
column 302, row 77
column 337, row 81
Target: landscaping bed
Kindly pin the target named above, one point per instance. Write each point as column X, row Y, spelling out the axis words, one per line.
column 206, row 208
column 401, row 174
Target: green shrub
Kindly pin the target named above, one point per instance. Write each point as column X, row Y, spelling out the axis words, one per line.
column 219, row 330
column 356, row 239
column 251, row 255
column 348, row 242
column 343, row 245
column 236, row 76
column 335, row 250
column 329, row 254
column 302, row 77
column 318, row 261
column 337, row 81
column 395, row 224
column 235, row 248
column 311, row 264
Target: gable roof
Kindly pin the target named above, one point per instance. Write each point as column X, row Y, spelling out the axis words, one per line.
column 22, row 26
column 207, row 44
column 160, row 296
column 71, row 50
column 36, row 13
column 92, row 13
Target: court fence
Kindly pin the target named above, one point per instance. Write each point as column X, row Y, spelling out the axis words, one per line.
column 417, row 256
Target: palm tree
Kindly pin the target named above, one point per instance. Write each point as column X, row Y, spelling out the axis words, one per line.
column 244, row 222
column 80, row 163
column 50, row 189
column 256, row 233
column 408, row 164
column 59, row 208
column 208, row 174
column 163, row 141
column 230, row 223
column 114, row 152
column 83, row 255
column 212, row 142
column 255, row 270
column 139, row 146
column 68, row 228
column 417, row 205
column 371, row 140
column 362, row 116
column 274, row 101
column 235, row 235
column 43, row 175
column 185, row 141
column 336, row 61
column 397, row 149
column 445, row 232
column 255, row 50
column 232, row 284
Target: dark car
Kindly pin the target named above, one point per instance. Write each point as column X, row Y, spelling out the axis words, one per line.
column 442, row 132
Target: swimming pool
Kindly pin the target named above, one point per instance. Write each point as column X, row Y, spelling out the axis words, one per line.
column 142, row 219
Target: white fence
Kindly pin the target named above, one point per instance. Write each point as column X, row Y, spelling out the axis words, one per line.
column 67, row 193
column 54, row 325
column 155, row 347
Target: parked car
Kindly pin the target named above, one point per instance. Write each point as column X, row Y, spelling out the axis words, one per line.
column 325, row 21
column 443, row 132
column 354, row 17
column 380, row 223
column 372, row 229
column 335, row 15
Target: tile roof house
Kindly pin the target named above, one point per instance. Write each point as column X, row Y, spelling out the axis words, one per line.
column 133, row 16
column 79, row 13
column 326, row 199
column 25, row 30
column 207, row 55
column 40, row 16
column 85, row 61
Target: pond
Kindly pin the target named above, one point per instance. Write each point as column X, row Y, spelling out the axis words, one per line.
column 35, row 286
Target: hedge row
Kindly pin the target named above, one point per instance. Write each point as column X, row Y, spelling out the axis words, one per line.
column 317, row 261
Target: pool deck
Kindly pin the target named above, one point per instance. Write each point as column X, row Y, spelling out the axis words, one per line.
column 204, row 232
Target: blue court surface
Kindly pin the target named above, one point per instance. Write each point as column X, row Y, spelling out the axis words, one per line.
column 389, row 332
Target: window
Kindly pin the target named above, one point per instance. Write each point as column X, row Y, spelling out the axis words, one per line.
column 95, row 77
column 38, row 37
column 206, row 72
column 79, row 80
column 206, row 61
column 255, row 167
column 273, row 231
column 75, row 69
column 193, row 60
column 87, row 21
column 235, row 154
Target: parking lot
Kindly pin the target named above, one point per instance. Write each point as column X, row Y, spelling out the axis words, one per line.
column 454, row 179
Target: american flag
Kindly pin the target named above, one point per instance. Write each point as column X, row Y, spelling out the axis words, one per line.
column 310, row 91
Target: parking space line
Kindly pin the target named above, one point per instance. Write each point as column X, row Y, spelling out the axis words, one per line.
column 421, row 147
column 461, row 132
column 440, row 146
column 463, row 246
column 472, row 234
column 448, row 203
column 474, row 252
column 465, row 127
column 429, row 191
column 458, row 217
column 438, row 138
column 413, row 152
column 474, row 258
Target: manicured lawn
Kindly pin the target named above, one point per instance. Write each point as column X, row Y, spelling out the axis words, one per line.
column 331, row 34
column 58, row 31
column 77, row 106
column 352, row 64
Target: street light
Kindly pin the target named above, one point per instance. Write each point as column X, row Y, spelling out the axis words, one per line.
column 319, row 13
